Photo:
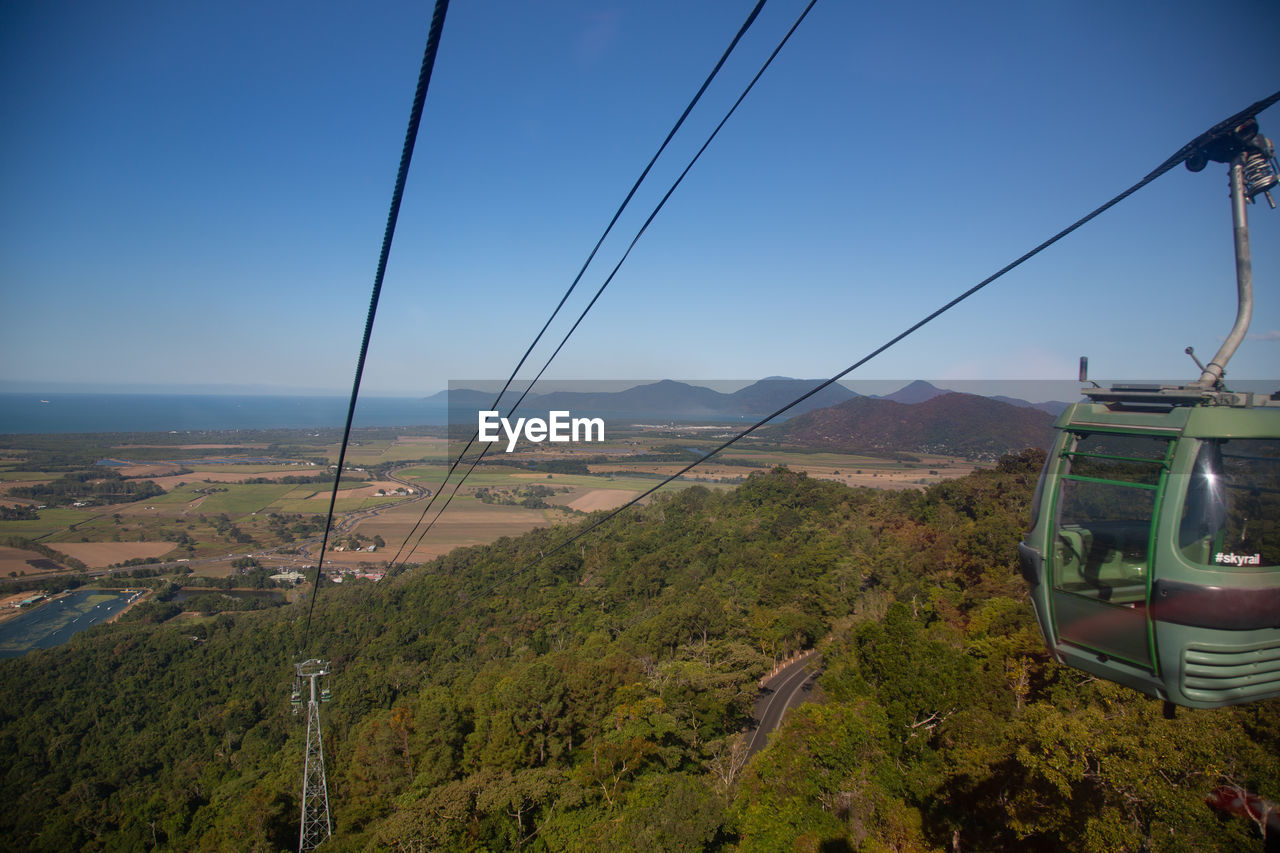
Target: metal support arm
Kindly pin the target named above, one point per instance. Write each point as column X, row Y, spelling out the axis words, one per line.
column 1214, row 370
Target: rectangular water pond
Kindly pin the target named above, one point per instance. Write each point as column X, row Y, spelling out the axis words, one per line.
column 57, row 621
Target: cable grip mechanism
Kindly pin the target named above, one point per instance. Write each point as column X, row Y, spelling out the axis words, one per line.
column 1260, row 173
column 1256, row 152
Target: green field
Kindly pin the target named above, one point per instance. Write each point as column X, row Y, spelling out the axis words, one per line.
column 301, row 504
column 25, row 476
column 424, row 474
column 379, row 453
column 229, row 468
column 49, row 521
column 243, row 499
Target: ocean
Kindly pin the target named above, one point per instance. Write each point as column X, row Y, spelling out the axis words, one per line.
column 83, row 413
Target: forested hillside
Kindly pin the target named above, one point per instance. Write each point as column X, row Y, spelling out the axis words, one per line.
column 954, row 424
column 597, row 700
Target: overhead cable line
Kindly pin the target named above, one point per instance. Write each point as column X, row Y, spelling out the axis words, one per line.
column 613, row 273
column 742, row 30
column 636, row 239
column 406, row 156
column 1179, row 156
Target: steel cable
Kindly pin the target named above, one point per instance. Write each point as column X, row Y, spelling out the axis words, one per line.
column 636, row 239
column 742, row 30
column 406, row 156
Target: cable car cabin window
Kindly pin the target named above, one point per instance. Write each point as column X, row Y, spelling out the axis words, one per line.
column 1039, row 493
column 1107, row 498
column 1105, row 506
column 1229, row 517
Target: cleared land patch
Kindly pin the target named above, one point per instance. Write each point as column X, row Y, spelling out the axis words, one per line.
column 467, row 522
column 97, row 555
column 15, row 560
column 601, row 499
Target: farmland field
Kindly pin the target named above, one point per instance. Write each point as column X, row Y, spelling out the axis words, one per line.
column 467, row 522
column 223, row 498
column 15, row 560
column 96, row 555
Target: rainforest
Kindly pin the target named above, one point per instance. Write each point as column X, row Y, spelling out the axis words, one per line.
column 601, row 699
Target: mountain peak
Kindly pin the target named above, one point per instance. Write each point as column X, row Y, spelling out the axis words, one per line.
column 916, row 392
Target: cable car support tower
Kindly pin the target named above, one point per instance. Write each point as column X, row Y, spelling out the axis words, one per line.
column 315, row 826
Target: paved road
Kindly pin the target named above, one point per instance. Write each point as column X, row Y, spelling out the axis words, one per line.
column 791, row 686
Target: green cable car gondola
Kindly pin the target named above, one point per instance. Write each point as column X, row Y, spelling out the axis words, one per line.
column 1153, row 556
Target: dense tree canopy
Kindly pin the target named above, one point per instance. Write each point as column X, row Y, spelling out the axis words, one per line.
column 93, row 486
column 598, row 699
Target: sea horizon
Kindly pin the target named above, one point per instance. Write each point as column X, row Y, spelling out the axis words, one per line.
column 28, row 413
column 49, row 411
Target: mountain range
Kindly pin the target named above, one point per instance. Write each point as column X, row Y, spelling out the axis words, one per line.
column 917, row 418
column 952, row 424
column 672, row 400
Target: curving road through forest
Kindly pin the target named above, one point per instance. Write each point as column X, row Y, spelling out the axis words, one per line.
column 790, row 686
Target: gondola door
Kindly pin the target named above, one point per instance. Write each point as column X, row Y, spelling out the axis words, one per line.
column 1102, row 552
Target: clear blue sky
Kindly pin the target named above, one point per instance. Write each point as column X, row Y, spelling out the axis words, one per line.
column 195, row 194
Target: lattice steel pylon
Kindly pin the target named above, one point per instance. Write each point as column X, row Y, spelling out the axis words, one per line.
column 315, row 827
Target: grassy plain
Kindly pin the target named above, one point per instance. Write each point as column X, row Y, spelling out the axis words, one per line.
column 24, row 476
